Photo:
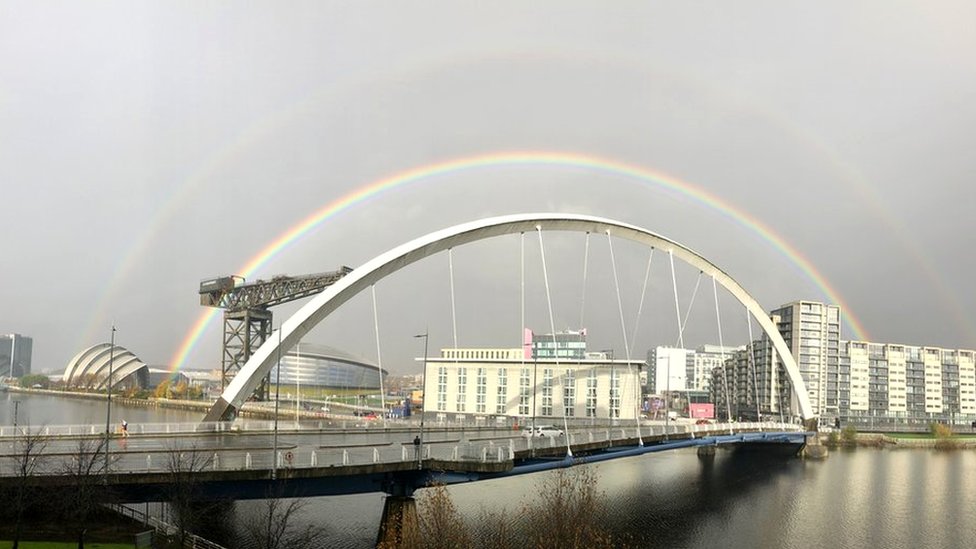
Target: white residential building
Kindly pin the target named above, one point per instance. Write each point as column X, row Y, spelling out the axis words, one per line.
column 503, row 382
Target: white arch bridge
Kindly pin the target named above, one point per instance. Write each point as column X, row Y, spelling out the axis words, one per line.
column 322, row 305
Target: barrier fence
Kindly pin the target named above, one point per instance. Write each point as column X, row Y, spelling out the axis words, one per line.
column 469, row 447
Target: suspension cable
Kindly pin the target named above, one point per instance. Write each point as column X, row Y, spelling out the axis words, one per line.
column 586, row 261
column 623, row 330
column 677, row 310
column 552, row 326
column 640, row 305
column 752, row 360
column 691, row 303
column 379, row 356
column 450, row 261
column 721, row 346
column 522, row 292
column 522, row 316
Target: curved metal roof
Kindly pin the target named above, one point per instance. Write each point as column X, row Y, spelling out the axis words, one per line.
column 93, row 363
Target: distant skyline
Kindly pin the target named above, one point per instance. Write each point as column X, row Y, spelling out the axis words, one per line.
column 145, row 147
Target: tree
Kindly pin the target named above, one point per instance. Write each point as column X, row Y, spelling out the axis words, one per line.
column 570, row 513
column 85, row 469
column 272, row 526
column 183, row 466
column 28, row 459
column 35, row 379
column 162, row 390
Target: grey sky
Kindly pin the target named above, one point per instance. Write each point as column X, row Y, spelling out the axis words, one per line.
column 146, row 146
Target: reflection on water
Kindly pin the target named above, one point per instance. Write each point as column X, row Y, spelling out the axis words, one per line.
column 855, row 498
column 40, row 410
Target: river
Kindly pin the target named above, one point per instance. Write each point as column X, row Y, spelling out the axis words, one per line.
column 855, row 498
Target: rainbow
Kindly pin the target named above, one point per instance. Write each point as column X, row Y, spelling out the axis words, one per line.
column 520, row 158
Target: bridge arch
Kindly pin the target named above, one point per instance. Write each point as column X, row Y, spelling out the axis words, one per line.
column 322, row 305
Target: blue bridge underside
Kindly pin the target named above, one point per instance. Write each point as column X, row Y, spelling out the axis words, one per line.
column 784, row 443
column 405, row 482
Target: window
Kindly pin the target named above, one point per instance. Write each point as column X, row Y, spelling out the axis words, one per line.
column 591, row 393
column 569, row 393
column 462, row 389
column 482, row 390
column 525, row 394
column 547, row 392
column 501, row 399
column 441, row 389
column 614, row 393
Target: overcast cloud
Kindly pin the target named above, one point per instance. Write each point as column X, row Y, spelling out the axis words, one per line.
column 147, row 146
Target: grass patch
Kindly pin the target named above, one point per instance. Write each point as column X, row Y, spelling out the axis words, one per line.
column 927, row 436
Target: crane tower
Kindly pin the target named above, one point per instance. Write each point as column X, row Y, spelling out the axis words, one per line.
column 247, row 313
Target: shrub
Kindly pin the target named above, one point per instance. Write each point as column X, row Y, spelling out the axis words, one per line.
column 833, row 439
column 441, row 525
column 943, row 437
column 849, row 435
column 570, row 514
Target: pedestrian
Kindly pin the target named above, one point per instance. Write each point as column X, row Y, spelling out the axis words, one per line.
column 125, row 428
column 416, row 447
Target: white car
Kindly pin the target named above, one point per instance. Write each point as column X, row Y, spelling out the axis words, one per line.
column 542, row 431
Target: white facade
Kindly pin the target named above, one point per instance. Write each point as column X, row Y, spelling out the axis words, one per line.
column 890, row 382
column 670, row 369
column 860, row 377
column 897, row 401
column 812, row 332
column 967, row 382
column 706, row 358
column 530, row 388
column 932, row 359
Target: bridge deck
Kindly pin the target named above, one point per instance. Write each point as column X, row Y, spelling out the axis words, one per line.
column 245, row 465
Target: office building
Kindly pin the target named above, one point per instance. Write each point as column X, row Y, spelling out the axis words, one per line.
column 568, row 344
column 15, row 355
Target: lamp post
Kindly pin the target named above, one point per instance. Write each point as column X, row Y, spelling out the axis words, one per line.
column 108, row 407
column 423, row 406
column 298, row 381
column 274, row 442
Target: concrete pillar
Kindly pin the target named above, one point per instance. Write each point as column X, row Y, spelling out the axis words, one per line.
column 399, row 528
column 706, row 452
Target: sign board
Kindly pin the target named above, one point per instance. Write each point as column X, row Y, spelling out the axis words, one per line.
column 703, row 410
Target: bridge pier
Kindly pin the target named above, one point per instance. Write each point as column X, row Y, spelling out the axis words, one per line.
column 399, row 527
column 706, row 452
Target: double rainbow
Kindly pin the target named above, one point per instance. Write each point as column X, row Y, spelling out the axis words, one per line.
column 519, row 158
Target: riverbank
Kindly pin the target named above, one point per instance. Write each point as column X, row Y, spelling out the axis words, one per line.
column 249, row 410
column 881, row 440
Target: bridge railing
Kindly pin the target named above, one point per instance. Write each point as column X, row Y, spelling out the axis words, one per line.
column 492, row 449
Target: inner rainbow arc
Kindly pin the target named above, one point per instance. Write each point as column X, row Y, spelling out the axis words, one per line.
column 515, row 158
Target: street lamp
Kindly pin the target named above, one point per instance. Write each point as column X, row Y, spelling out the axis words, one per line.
column 274, row 442
column 108, row 407
column 423, row 407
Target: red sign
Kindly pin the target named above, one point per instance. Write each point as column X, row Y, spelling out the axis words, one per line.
column 701, row 410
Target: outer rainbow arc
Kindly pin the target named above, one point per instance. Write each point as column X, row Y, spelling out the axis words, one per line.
column 518, row 158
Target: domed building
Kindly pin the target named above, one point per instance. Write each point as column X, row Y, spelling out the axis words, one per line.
column 90, row 368
column 312, row 365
